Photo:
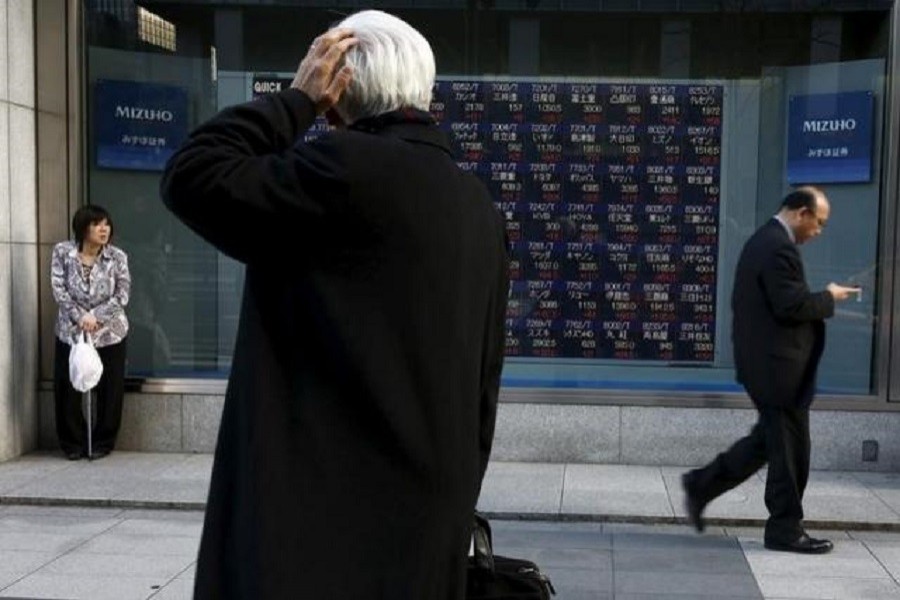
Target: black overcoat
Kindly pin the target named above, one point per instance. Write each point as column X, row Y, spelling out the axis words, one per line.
column 779, row 328
column 361, row 404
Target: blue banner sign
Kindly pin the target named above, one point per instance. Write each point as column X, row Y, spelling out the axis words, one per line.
column 830, row 138
column 138, row 125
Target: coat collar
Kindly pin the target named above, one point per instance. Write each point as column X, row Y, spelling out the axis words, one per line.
column 409, row 124
column 102, row 255
column 784, row 227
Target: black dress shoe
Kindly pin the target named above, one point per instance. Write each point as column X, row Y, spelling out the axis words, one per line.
column 692, row 504
column 74, row 455
column 802, row 545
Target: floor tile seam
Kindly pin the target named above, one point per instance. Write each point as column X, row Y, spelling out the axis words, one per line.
column 612, row 547
column 49, row 562
column 793, row 576
column 16, row 582
column 180, row 514
column 42, row 530
column 876, row 544
column 567, row 548
column 89, row 579
column 77, row 546
column 145, row 536
column 667, row 595
column 172, row 580
column 124, row 577
column 170, row 538
column 50, row 520
column 545, row 568
column 148, row 555
column 118, row 554
column 694, row 575
column 721, row 558
column 741, row 547
column 880, row 563
column 823, row 578
column 46, row 517
column 832, row 568
column 166, row 534
column 681, row 571
column 874, row 492
column 562, row 488
column 687, row 548
column 829, row 559
column 688, row 596
column 834, row 559
column 668, row 492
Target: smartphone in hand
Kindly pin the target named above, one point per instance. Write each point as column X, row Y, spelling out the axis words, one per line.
column 855, row 289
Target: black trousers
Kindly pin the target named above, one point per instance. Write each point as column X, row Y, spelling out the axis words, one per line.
column 107, row 397
column 781, row 439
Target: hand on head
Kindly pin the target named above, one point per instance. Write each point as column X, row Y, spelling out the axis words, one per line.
column 320, row 74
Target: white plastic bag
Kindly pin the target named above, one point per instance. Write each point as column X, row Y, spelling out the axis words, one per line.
column 85, row 366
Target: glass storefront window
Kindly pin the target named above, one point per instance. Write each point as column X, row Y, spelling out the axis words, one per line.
column 632, row 152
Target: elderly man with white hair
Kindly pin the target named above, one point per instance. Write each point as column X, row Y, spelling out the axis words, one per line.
column 361, row 405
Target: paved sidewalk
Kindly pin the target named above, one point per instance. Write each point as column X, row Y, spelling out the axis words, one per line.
column 77, row 553
column 127, row 527
column 580, row 492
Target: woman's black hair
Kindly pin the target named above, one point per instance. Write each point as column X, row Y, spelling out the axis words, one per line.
column 86, row 216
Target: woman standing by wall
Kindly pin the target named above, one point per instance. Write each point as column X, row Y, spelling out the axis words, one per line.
column 91, row 284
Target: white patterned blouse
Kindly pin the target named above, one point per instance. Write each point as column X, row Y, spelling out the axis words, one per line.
column 102, row 291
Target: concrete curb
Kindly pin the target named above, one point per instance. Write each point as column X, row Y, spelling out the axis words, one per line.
column 102, row 503
column 665, row 520
column 499, row 515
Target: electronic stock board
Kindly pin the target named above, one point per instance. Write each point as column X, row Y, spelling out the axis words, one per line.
column 611, row 197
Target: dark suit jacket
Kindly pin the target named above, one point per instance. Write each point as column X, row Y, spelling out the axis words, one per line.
column 779, row 329
column 360, row 410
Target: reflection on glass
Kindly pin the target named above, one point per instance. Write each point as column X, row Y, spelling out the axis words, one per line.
column 631, row 153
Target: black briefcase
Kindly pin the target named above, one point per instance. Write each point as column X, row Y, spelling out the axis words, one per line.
column 491, row 577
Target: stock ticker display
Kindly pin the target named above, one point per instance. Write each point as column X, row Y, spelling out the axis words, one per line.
column 611, row 198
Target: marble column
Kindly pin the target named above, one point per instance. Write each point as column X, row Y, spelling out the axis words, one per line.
column 18, row 230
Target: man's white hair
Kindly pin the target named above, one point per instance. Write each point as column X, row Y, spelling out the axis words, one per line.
column 393, row 67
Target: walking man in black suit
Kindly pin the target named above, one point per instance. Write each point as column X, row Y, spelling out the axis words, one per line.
column 779, row 335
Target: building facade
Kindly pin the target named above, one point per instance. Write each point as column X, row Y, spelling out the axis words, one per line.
column 632, row 146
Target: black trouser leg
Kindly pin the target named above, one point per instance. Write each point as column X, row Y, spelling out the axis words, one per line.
column 732, row 467
column 70, row 424
column 787, row 442
column 803, row 454
column 108, row 396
